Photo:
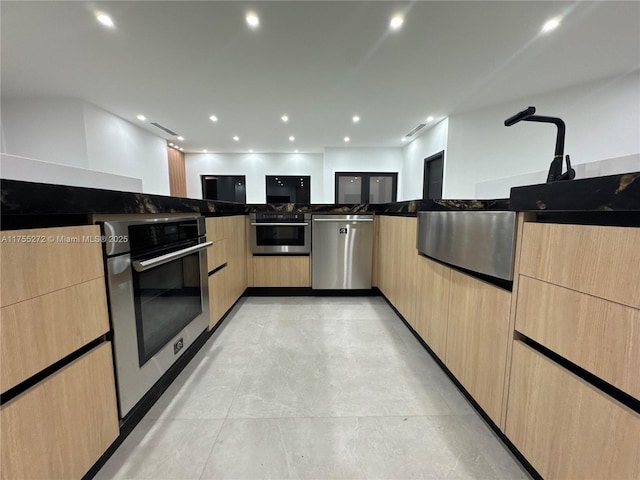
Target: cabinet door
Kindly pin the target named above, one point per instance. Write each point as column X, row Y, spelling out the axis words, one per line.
column 566, row 428
column 597, row 260
column 38, row 332
column 602, row 337
column 238, row 257
column 433, row 282
column 397, row 263
column 58, row 258
column 477, row 336
column 281, row 271
column 218, row 295
column 215, row 228
column 61, row 426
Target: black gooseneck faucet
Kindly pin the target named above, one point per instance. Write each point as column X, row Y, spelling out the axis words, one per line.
column 555, row 170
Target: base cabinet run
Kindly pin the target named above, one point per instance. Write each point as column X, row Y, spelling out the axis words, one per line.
column 566, row 428
column 281, row 271
column 62, row 425
column 227, row 262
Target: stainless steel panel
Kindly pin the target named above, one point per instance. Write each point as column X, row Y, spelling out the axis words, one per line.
column 280, row 249
column 115, row 231
column 342, row 251
column 134, row 381
column 480, row 241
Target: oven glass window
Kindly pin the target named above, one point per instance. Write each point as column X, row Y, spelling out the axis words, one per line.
column 167, row 298
column 279, row 236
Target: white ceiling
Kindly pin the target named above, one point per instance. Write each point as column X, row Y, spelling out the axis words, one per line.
column 319, row 62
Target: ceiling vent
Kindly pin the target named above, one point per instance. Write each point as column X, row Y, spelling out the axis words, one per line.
column 416, row 130
column 166, row 129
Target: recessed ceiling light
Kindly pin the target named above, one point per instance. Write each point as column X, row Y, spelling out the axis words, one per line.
column 236, row 138
column 105, row 19
column 295, row 151
column 204, row 151
column 396, row 22
column 181, row 149
column 429, row 118
column 284, row 118
column 252, row 20
column 347, row 139
column 251, row 150
column 171, row 144
column 356, row 119
column 142, row 118
column 551, row 24
column 292, row 138
column 404, row 139
column 181, row 138
column 213, row 118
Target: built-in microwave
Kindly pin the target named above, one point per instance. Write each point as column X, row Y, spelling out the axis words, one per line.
column 280, row 233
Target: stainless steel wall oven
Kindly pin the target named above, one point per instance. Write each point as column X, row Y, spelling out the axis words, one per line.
column 280, row 233
column 158, row 297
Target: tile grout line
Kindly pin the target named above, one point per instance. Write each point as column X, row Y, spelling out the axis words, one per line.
column 235, row 393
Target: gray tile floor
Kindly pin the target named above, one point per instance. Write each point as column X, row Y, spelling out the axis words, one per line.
column 312, row 388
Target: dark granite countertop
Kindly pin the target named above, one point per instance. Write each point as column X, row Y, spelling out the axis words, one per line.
column 28, row 204
column 612, row 193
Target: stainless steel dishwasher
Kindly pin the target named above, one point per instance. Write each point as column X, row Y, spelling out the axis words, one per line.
column 341, row 251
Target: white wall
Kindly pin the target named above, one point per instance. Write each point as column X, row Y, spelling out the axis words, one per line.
column 432, row 141
column 119, row 147
column 359, row 160
column 255, row 166
column 45, row 129
column 13, row 167
column 70, row 132
column 501, row 187
column 602, row 120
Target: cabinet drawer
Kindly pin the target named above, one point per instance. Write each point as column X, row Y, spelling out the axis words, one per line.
column 61, row 426
column 219, row 295
column 281, row 271
column 600, row 261
column 38, row 332
column 217, row 254
column 64, row 257
column 566, row 428
column 215, row 228
column 600, row 336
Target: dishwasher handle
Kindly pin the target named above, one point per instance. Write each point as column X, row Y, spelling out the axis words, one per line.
column 343, row 220
column 282, row 224
column 141, row 266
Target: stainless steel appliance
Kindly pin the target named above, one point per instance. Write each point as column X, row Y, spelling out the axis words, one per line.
column 342, row 252
column 480, row 241
column 280, row 233
column 158, row 297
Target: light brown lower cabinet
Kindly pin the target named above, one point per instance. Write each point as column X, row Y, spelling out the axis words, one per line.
column 60, row 427
column 600, row 336
column 281, row 271
column 566, row 428
column 49, row 327
column 433, row 282
column 477, row 336
column 220, row 299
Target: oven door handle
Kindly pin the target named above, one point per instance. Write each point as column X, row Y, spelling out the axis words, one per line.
column 274, row 224
column 141, row 266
